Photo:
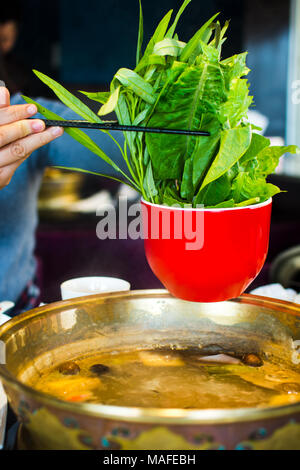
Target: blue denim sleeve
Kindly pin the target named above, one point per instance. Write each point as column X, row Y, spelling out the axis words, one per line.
column 65, row 151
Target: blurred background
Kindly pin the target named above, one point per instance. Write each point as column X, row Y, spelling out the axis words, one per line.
column 83, row 45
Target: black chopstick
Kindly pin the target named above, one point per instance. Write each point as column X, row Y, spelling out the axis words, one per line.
column 115, row 126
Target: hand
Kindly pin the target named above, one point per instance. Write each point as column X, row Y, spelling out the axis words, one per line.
column 19, row 136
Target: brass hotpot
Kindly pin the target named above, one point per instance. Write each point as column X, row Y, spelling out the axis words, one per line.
column 59, row 332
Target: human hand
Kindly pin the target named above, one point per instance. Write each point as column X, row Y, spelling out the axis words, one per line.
column 19, row 136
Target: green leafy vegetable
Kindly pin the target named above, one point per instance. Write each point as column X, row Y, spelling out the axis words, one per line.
column 140, row 36
column 234, row 143
column 193, row 47
column 167, row 47
column 68, row 99
column 131, row 80
column 111, row 103
column 171, row 31
column 180, row 85
column 83, row 139
column 100, row 97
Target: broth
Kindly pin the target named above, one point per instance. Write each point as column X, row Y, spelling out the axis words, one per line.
column 170, row 379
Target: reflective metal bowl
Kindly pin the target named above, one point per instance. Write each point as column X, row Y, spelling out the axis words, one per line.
column 59, row 332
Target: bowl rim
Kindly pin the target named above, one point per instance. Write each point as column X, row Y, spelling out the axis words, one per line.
column 198, row 209
column 155, row 416
column 69, row 284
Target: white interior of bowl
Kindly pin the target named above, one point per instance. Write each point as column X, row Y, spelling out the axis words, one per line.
column 92, row 285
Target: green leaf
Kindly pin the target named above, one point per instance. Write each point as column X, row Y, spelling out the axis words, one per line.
column 219, row 38
column 197, row 90
column 237, row 189
column 249, row 202
column 124, row 119
column 77, row 134
column 235, row 67
column 172, row 202
column 68, row 99
column 149, row 184
column 140, row 35
column 222, row 205
column 205, row 153
column 215, row 192
column 169, row 47
column 141, row 116
column 256, row 128
column 171, row 31
column 146, row 158
column 168, row 78
column 80, row 170
column 100, row 97
column 171, row 198
column 268, row 158
column 206, row 148
column 238, row 102
column 247, row 186
column 158, row 36
column 111, row 104
column 187, row 187
column 193, row 47
column 234, row 143
column 137, row 84
column 154, row 60
column 222, row 35
column 258, row 143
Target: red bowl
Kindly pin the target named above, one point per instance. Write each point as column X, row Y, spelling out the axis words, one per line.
column 206, row 255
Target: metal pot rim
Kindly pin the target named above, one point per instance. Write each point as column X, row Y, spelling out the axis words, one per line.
column 150, row 415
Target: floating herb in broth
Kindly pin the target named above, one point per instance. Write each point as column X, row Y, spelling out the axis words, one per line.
column 181, row 85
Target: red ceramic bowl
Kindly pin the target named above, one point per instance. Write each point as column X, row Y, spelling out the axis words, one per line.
column 206, row 255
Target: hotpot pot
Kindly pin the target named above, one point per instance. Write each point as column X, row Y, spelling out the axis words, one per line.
column 59, row 332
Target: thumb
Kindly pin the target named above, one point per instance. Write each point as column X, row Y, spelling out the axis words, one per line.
column 4, row 95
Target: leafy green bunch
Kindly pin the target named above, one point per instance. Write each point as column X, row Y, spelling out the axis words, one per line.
column 180, row 85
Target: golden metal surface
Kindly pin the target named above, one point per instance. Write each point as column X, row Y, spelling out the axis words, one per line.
column 46, row 335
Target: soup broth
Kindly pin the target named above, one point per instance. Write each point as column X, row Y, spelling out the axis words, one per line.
column 170, row 379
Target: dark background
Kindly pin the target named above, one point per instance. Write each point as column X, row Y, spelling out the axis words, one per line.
column 83, row 44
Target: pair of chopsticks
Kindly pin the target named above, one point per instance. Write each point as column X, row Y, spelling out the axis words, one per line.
column 115, row 126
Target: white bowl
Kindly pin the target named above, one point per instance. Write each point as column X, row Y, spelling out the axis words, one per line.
column 85, row 286
column 3, row 318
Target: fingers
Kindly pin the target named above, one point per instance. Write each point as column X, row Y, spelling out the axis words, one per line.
column 22, row 148
column 9, row 114
column 4, row 97
column 17, row 130
column 7, row 172
column 20, row 136
column 15, row 113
